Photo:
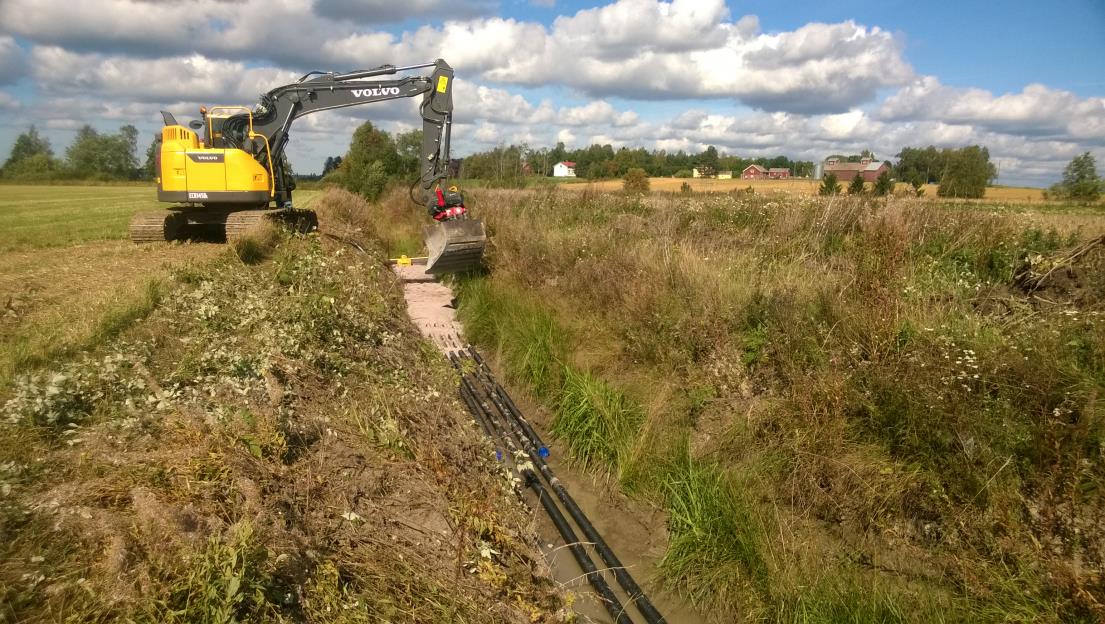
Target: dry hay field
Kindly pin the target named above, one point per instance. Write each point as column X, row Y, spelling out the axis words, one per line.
column 795, row 186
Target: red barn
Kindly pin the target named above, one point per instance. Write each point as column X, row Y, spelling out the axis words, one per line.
column 754, row 172
column 778, row 173
column 846, row 171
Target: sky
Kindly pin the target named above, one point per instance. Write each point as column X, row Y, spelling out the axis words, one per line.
column 804, row 80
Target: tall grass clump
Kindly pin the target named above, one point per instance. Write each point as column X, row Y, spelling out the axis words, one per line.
column 715, row 536
column 598, row 422
column 524, row 334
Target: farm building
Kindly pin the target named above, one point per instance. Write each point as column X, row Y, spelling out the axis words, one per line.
column 756, row 172
column 564, row 169
column 846, row 171
column 708, row 172
column 753, row 172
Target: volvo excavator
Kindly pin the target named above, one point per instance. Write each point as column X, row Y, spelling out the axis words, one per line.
column 228, row 170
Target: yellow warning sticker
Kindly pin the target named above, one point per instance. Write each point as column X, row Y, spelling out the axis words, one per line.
column 442, row 83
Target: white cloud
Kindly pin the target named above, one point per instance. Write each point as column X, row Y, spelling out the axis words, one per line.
column 8, row 102
column 12, row 62
column 385, row 11
column 1035, row 111
column 634, row 48
column 193, row 78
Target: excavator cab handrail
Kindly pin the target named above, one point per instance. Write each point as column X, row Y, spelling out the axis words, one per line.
column 252, row 135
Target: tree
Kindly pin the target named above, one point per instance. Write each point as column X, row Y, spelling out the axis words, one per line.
column 857, row 185
column 635, row 181
column 920, row 164
column 27, row 145
column 918, row 187
column 967, row 172
column 829, row 185
column 331, row 164
column 409, row 146
column 883, row 184
column 372, row 160
column 709, row 158
column 37, row 168
column 1080, row 180
column 104, row 156
column 151, row 158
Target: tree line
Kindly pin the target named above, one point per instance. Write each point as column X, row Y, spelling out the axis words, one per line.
column 512, row 162
column 92, row 155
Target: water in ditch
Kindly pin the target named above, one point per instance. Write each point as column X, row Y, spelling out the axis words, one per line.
column 635, row 531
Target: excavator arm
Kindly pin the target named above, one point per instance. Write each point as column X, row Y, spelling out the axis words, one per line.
column 265, row 131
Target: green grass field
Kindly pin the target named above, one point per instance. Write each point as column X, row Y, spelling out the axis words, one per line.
column 55, row 216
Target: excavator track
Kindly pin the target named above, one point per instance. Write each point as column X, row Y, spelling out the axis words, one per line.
column 240, row 222
column 156, row 227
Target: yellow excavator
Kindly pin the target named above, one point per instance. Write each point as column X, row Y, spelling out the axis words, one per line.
column 228, row 169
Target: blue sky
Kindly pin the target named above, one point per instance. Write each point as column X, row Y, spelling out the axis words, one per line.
column 755, row 79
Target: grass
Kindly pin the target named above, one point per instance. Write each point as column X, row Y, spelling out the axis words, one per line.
column 866, row 372
column 246, row 442
column 38, row 216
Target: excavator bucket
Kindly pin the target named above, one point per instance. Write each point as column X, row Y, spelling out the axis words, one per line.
column 454, row 246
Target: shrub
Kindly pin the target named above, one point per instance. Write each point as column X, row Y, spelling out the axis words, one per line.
column 685, row 187
column 635, row 181
column 829, row 185
column 684, row 173
column 883, row 185
column 857, row 186
column 37, row 168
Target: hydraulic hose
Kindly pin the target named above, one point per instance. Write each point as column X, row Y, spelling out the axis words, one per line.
column 520, row 426
column 602, row 588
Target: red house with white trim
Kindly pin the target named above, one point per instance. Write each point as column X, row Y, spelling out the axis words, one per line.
column 753, row 172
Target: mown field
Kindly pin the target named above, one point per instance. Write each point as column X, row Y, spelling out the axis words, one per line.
column 209, row 433
column 852, row 410
column 68, row 275
column 795, row 186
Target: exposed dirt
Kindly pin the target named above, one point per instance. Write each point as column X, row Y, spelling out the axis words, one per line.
column 430, row 304
column 1074, row 278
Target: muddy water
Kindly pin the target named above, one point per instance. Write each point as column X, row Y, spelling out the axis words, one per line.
column 634, row 531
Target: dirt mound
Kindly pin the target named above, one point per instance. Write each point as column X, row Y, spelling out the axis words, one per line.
column 1074, row 278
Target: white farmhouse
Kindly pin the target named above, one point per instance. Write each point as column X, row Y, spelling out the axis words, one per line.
column 564, row 169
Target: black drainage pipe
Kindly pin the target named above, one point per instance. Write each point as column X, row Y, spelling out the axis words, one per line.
column 602, row 588
column 624, row 578
column 542, row 448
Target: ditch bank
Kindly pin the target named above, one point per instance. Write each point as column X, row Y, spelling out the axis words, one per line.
column 272, row 442
column 608, row 540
